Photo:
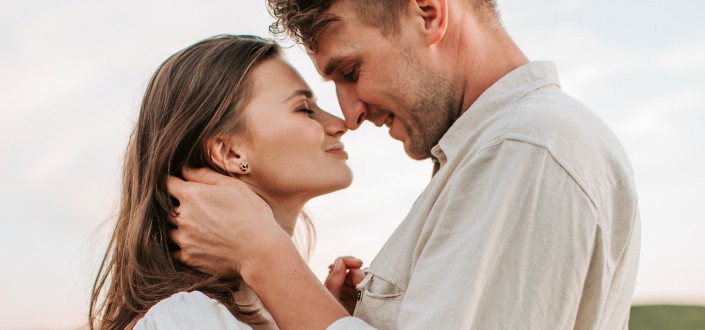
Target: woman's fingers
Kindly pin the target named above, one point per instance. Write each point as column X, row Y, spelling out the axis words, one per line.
column 354, row 277
column 345, row 271
column 352, row 262
column 336, row 278
column 347, row 261
column 343, row 276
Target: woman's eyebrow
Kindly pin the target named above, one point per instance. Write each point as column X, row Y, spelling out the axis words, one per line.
column 301, row 92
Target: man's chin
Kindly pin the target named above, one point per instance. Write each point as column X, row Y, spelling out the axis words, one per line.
column 415, row 152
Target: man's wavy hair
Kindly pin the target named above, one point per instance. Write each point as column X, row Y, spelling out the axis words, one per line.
column 305, row 21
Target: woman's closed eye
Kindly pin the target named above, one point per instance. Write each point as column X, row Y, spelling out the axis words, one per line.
column 306, row 109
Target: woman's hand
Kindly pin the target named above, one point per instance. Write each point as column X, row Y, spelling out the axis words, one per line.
column 343, row 277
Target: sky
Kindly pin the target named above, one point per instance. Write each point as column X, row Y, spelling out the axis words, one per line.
column 72, row 74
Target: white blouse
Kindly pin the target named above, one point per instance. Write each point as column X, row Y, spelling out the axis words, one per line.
column 189, row 310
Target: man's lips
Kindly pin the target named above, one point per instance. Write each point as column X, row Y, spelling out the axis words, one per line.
column 389, row 120
column 379, row 117
column 396, row 128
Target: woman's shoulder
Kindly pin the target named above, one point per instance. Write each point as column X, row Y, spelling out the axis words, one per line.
column 189, row 310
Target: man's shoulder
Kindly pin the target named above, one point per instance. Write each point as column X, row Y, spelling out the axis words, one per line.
column 544, row 117
column 554, row 122
column 550, row 114
column 558, row 122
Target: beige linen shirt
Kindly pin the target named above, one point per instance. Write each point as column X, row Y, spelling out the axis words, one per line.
column 531, row 222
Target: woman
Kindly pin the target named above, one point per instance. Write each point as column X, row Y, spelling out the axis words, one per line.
column 229, row 103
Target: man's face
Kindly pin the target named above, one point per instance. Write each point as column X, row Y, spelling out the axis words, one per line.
column 385, row 80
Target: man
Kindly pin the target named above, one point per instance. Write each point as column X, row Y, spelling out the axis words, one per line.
column 530, row 220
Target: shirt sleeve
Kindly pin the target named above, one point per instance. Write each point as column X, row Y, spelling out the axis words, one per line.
column 192, row 310
column 507, row 246
column 350, row 323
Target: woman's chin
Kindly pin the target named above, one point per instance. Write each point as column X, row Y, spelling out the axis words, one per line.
column 346, row 179
column 340, row 184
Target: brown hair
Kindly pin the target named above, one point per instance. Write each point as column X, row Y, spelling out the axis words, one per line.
column 305, row 21
column 195, row 95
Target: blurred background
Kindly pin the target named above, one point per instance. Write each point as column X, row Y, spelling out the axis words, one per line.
column 72, row 74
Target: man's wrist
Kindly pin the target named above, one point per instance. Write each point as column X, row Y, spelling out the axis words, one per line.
column 278, row 247
column 282, row 280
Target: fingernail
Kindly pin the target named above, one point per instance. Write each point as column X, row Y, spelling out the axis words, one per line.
column 338, row 265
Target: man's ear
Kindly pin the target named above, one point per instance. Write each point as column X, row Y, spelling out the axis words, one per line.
column 225, row 153
column 435, row 17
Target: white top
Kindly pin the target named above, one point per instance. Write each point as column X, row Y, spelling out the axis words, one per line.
column 531, row 222
column 189, row 311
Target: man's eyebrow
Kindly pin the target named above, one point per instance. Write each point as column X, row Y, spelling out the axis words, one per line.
column 299, row 92
column 332, row 65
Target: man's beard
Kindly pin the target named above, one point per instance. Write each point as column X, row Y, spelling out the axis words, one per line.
column 430, row 117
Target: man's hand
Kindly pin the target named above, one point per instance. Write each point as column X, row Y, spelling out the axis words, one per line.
column 221, row 223
column 225, row 229
column 343, row 277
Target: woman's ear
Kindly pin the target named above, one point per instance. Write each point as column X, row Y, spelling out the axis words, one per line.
column 227, row 155
column 435, row 17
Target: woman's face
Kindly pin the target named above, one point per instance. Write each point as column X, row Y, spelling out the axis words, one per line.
column 293, row 148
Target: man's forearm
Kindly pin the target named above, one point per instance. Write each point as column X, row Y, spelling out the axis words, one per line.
column 290, row 291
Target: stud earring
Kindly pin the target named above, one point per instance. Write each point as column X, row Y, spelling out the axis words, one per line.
column 244, row 167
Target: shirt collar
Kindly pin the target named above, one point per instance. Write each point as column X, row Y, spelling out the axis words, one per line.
column 507, row 90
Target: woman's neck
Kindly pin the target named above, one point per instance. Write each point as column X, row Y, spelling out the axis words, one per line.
column 286, row 215
column 286, row 209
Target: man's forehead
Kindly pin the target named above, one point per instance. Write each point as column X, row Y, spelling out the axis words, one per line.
column 341, row 40
column 332, row 48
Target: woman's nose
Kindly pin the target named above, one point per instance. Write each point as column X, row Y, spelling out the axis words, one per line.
column 335, row 126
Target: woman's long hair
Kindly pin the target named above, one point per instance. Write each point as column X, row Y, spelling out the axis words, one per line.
column 195, row 95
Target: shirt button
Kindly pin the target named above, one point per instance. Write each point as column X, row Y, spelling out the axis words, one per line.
column 359, row 295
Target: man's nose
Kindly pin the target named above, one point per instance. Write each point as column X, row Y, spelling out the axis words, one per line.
column 354, row 110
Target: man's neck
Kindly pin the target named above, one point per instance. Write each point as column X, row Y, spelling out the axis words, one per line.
column 484, row 54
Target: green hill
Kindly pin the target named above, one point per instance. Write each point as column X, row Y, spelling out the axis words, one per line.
column 667, row 317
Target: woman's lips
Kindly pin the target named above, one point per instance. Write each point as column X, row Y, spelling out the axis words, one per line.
column 338, row 150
